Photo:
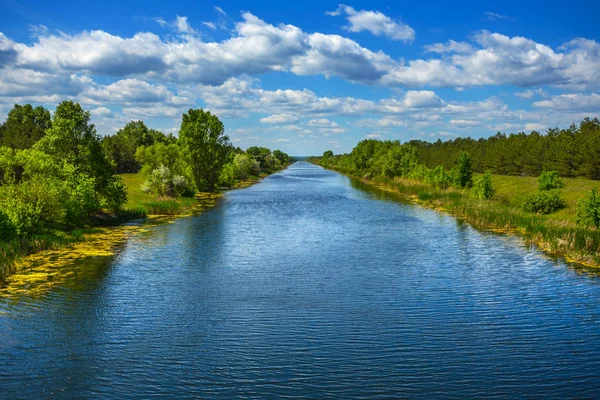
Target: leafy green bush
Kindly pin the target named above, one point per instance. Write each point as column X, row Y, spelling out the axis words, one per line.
column 78, row 196
column 484, row 189
column 549, row 180
column 439, row 178
column 588, row 209
column 32, row 205
column 227, row 175
column 545, row 202
column 245, row 166
column 463, row 177
column 7, row 229
column 115, row 194
column 420, row 173
column 162, row 182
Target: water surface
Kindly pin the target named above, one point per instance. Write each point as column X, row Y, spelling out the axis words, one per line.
column 308, row 285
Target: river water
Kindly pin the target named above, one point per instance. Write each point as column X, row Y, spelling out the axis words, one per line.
column 309, row 285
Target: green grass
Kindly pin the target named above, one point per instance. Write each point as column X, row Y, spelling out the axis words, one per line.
column 135, row 196
column 512, row 191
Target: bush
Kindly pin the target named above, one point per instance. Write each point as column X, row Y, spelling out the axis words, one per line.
column 463, row 178
column 549, row 180
column 32, row 205
column 588, row 209
column 227, row 175
column 79, row 198
column 484, row 188
column 115, row 194
column 545, row 202
column 245, row 166
column 439, row 178
column 162, row 182
column 420, row 173
column 7, row 229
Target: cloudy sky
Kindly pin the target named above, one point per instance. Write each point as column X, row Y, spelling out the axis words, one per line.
column 313, row 75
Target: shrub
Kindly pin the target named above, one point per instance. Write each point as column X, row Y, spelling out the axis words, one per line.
column 464, row 172
column 545, row 202
column 549, row 180
column 32, row 205
column 115, row 194
column 79, row 199
column 7, row 229
column 484, row 188
column 245, row 166
column 588, row 209
column 420, row 173
column 227, row 175
column 439, row 178
column 162, row 182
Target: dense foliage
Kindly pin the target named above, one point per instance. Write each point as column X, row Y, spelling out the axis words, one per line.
column 588, row 209
column 121, row 148
column 57, row 173
column 544, row 202
column 205, row 147
column 24, row 126
column 389, row 159
column 571, row 152
column 484, row 188
column 549, row 180
column 58, row 181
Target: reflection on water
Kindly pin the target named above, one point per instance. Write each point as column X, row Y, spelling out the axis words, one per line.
column 307, row 285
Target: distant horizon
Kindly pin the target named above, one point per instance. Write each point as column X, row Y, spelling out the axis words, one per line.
column 312, row 78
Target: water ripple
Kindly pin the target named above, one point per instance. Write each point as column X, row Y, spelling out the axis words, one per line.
column 305, row 286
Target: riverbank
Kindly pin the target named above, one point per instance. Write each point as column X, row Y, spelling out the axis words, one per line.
column 556, row 234
column 41, row 257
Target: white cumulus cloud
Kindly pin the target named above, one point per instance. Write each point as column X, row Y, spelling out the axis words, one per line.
column 375, row 22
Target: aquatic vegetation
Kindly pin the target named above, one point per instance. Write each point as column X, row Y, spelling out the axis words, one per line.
column 36, row 273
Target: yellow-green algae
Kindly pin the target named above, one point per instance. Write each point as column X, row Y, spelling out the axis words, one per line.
column 37, row 273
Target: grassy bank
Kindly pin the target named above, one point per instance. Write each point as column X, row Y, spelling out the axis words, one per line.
column 139, row 205
column 556, row 234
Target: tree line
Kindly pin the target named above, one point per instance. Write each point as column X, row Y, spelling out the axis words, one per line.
column 572, row 152
column 448, row 164
column 57, row 172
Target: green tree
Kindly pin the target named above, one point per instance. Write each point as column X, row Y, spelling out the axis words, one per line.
column 245, row 166
column 205, row 146
column 73, row 140
column 464, row 171
column 588, row 209
column 549, row 180
column 121, row 147
column 439, row 178
column 326, row 156
column 260, row 154
column 227, row 175
column 484, row 188
column 24, row 126
column 283, row 158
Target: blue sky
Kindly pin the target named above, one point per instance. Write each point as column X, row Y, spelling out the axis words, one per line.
column 310, row 76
